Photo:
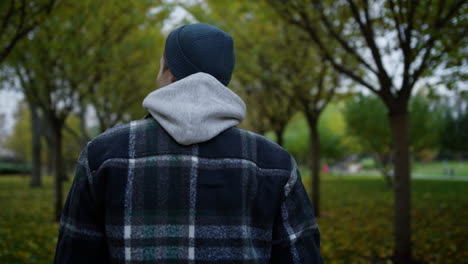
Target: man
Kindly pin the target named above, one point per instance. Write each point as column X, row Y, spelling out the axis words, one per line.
column 185, row 185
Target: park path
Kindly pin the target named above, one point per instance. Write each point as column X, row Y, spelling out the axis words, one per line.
column 440, row 178
column 421, row 177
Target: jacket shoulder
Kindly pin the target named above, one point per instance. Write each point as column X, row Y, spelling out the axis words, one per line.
column 268, row 154
column 114, row 142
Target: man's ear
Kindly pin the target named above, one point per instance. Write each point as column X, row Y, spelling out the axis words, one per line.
column 173, row 79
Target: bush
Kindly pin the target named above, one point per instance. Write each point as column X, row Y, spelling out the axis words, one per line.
column 14, row 168
column 368, row 163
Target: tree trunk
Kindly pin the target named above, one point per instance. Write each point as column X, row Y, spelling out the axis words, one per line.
column 84, row 132
column 50, row 149
column 57, row 126
column 279, row 136
column 388, row 179
column 383, row 165
column 315, row 163
column 36, row 146
column 399, row 122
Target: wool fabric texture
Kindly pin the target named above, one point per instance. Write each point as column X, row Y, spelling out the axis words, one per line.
column 140, row 197
column 200, row 48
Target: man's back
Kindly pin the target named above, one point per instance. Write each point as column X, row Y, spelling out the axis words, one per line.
column 185, row 185
column 141, row 197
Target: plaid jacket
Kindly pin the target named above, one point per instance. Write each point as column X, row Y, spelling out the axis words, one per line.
column 140, row 197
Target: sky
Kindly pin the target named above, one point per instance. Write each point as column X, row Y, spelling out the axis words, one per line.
column 8, row 104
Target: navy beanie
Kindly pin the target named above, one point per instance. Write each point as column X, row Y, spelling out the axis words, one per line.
column 200, row 48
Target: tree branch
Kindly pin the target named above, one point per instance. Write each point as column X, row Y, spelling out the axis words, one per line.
column 367, row 32
column 6, row 19
column 344, row 44
column 312, row 32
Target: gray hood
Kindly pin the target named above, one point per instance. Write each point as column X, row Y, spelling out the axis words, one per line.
column 196, row 108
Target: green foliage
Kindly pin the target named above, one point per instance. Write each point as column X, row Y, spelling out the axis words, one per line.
column 20, row 140
column 356, row 223
column 332, row 136
column 18, row 19
column 106, row 57
column 71, row 146
column 123, row 45
column 28, row 236
column 366, row 121
column 440, row 168
column 8, row 167
column 27, row 232
column 426, row 124
column 420, row 37
column 455, row 133
column 367, row 163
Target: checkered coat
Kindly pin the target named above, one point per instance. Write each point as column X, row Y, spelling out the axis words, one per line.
column 140, row 197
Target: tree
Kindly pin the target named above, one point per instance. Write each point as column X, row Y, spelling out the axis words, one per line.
column 123, row 44
column 21, row 144
column 454, row 136
column 54, row 71
column 18, row 19
column 111, row 59
column 332, row 136
column 263, row 85
column 427, row 34
column 36, row 124
column 269, row 108
column 426, row 124
column 36, row 127
column 365, row 122
column 51, row 94
column 312, row 87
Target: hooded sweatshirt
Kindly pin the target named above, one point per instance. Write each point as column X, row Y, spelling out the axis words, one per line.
column 195, row 109
column 187, row 186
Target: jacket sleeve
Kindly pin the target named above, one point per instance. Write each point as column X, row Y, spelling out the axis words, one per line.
column 296, row 237
column 82, row 236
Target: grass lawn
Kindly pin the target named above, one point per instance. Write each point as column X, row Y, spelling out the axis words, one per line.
column 356, row 222
column 436, row 168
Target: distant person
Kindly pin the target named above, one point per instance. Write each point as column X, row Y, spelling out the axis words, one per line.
column 452, row 171
column 185, row 185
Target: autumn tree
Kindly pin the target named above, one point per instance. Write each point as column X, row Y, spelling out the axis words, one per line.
column 393, row 44
column 122, row 44
column 454, row 136
column 20, row 141
column 18, row 19
column 313, row 86
column 68, row 60
column 10, row 78
column 261, row 82
column 366, row 124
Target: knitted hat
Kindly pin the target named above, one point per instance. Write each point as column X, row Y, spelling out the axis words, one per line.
column 200, row 48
